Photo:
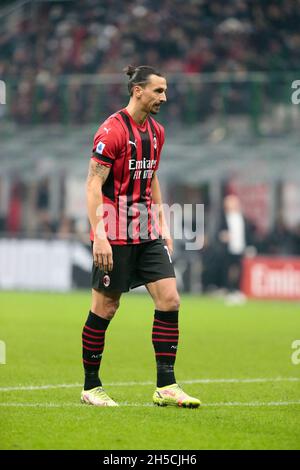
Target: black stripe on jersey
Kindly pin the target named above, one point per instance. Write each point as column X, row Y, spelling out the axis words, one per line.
column 123, row 124
column 155, row 152
column 133, row 156
column 102, row 157
column 155, row 141
column 108, row 189
column 146, row 153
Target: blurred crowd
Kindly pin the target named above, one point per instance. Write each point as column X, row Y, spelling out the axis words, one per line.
column 26, row 212
column 181, row 36
column 46, row 40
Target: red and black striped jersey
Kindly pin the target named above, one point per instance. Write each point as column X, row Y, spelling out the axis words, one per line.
column 133, row 153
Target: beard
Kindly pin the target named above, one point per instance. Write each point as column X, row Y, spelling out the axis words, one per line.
column 155, row 109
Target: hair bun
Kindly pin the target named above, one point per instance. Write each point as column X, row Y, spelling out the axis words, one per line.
column 130, row 70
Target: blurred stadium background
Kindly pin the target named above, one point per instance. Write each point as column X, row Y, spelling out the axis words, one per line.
column 231, row 129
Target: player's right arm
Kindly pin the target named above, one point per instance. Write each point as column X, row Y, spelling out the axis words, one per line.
column 102, row 251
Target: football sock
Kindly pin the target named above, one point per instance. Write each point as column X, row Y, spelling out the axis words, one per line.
column 93, row 338
column 165, row 340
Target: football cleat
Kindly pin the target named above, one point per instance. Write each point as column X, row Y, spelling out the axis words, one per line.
column 173, row 395
column 97, row 397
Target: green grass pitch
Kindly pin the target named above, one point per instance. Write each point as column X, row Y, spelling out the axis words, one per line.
column 237, row 360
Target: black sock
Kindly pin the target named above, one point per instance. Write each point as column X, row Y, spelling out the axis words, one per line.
column 165, row 340
column 93, row 338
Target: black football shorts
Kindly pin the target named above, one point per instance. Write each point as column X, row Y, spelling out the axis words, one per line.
column 134, row 266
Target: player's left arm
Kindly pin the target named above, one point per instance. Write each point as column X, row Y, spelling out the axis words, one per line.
column 157, row 199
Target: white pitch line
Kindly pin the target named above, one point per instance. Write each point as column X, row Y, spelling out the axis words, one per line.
column 38, row 387
column 130, row 384
column 254, row 403
column 143, row 405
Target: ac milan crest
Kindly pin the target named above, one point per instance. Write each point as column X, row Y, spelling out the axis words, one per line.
column 155, row 142
column 106, row 280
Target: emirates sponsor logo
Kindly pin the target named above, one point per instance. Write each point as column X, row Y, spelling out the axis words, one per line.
column 267, row 281
column 143, row 169
column 143, row 164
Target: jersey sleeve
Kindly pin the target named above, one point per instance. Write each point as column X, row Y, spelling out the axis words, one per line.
column 107, row 143
column 161, row 141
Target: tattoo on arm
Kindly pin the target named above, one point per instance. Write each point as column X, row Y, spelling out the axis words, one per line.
column 98, row 170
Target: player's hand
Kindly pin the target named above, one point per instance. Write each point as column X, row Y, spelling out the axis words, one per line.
column 102, row 255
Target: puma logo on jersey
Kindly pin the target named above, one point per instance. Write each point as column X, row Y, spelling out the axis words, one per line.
column 106, row 129
column 133, row 143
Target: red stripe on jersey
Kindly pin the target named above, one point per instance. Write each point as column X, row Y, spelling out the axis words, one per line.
column 136, row 194
column 128, row 184
column 153, row 215
column 153, row 156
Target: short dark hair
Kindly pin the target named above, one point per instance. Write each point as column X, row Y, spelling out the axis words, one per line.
column 139, row 75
